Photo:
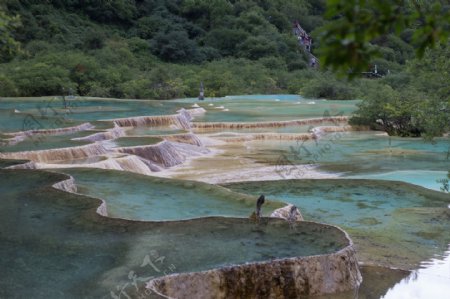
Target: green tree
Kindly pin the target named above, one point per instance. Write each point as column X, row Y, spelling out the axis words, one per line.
column 255, row 47
column 9, row 47
column 7, row 87
column 354, row 24
column 41, row 79
column 175, row 47
column 226, row 40
column 107, row 11
column 327, row 86
column 413, row 102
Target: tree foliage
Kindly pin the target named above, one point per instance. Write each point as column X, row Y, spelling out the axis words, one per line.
column 413, row 103
column 9, row 46
column 354, row 24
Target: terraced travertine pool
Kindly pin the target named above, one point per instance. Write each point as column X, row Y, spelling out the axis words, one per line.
column 138, row 197
column 53, row 236
column 384, row 218
column 382, row 190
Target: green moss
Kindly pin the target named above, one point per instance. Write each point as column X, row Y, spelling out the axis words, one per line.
column 368, row 221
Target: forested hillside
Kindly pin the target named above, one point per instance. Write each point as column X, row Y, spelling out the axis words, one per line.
column 157, row 49
column 163, row 49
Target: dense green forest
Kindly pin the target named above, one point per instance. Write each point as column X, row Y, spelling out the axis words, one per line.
column 163, row 49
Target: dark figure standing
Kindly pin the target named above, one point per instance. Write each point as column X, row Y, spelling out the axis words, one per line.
column 259, row 204
column 201, row 96
column 256, row 215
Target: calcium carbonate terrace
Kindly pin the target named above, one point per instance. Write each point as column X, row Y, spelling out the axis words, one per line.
column 158, row 188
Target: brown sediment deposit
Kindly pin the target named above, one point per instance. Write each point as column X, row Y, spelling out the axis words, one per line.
column 180, row 120
column 268, row 136
column 205, row 126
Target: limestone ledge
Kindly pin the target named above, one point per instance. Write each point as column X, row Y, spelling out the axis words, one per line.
column 67, row 185
column 280, row 278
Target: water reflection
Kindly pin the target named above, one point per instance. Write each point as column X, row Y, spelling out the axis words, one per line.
column 432, row 281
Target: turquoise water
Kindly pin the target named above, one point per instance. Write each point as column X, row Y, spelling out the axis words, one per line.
column 49, row 113
column 43, row 142
column 360, row 155
column 424, row 178
column 350, row 203
column 138, row 197
column 136, row 141
column 269, row 108
column 143, row 131
column 379, row 215
column 7, row 163
column 13, row 122
column 369, row 152
column 47, row 236
column 54, row 245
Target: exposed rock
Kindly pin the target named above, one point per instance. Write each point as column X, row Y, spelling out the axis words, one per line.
column 285, row 213
column 102, row 210
column 113, row 133
column 27, row 165
column 163, row 153
column 66, row 185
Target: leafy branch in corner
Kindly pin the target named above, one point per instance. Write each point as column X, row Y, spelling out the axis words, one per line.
column 346, row 39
